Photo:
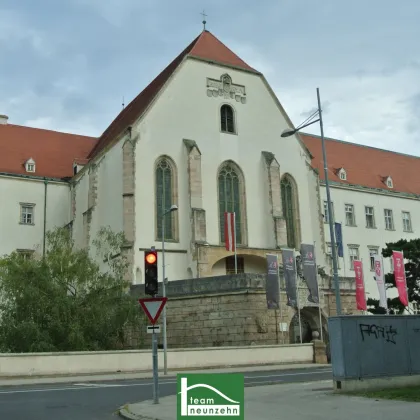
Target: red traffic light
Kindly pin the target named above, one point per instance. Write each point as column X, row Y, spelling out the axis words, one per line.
column 151, row 258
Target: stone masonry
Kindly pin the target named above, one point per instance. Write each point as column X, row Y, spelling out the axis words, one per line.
column 226, row 311
column 274, row 185
column 128, row 197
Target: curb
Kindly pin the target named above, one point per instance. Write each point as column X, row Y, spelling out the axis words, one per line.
column 125, row 413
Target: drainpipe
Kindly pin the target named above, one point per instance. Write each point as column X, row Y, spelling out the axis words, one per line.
column 45, row 215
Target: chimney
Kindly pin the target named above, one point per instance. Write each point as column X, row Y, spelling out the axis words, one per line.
column 3, row 119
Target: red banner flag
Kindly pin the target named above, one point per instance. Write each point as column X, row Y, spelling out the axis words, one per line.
column 399, row 273
column 360, row 286
column 230, row 231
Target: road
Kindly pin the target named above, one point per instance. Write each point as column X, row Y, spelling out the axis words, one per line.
column 100, row 400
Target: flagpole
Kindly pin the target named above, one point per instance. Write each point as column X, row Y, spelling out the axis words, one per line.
column 234, row 242
column 280, row 304
column 364, row 285
column 319, row 295
column 298, row 296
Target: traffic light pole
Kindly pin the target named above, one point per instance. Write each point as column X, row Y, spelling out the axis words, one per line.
column 155, row 369
column 165, row 344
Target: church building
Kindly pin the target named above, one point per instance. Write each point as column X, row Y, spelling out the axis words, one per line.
column 204, row 136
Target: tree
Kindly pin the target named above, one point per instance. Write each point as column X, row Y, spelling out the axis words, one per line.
column 411, row 250
column 65, row 301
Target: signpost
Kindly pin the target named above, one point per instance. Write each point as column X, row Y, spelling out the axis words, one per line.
column 153, row 307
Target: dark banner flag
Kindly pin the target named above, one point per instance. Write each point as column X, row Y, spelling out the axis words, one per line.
column 289, row 269
column 272, row 287
column 307, row 252
column 339, row 239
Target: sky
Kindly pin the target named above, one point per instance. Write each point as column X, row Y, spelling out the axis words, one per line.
column 67, row 64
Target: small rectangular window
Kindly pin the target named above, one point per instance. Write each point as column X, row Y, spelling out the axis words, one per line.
column 372, row 253
column 389, row 219
column 326, row 214
column 350, row 219
column 27, row 214
column 353, row 255
column 370, row 217
column 406, row 221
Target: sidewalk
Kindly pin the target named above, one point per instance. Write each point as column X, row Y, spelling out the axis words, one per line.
column 121, row 376
column 293, row 401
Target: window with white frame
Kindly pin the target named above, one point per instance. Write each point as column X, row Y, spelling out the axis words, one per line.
column 389, row 219
column 350, row 218
column 416, row 308
column 27, row 213
column 353, row 255
column 30, row 165
column 389, row 182
column 326, row 214
column 343, row 174
column 372, row 252
column 370, row 217
column 406, row 217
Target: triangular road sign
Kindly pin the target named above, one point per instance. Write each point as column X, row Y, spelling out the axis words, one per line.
column 153, row 307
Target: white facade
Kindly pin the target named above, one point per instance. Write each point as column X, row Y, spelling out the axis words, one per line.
column 360, row 237
column 185, row 111
column 22, row 212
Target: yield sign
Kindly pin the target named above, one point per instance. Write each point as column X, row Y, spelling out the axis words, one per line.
column 153, row 307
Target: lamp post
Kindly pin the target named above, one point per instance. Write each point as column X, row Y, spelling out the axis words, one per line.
column 289, row 132
column 173, row 208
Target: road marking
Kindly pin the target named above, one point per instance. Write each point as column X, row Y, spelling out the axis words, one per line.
column 84, row 386
column 96, row 385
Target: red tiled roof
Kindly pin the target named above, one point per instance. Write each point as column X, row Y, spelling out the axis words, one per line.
column 206, row 46
column 53, row 152
column 366, row 166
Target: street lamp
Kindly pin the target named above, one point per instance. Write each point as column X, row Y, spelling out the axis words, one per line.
column 289, row 132
column 173, row 208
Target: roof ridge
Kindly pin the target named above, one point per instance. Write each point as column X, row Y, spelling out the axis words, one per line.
column 128, row 115
column 359, row 145
column 49, row 130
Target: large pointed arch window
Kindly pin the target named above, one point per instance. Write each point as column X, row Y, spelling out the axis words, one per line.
column 227, row 119
column 231, row 199
column 290, row 210
column 165, row 181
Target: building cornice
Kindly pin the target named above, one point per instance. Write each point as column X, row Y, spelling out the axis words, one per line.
column 370, row 190
column 35, row 178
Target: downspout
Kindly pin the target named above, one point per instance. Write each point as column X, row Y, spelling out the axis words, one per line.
column 45, row 216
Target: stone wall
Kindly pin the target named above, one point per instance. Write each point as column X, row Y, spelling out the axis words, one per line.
column 228, row 311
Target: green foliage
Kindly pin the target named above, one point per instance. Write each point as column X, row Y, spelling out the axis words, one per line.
column 66, row 301
column 411, row 250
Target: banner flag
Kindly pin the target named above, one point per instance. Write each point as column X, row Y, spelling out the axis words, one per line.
column 379, row 277
column 307, row 251
column 272, row 286
column 400, row 279
column 230, row 231
column 289, row 269
column 360, row 286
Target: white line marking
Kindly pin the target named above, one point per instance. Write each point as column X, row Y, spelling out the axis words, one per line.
column 84, row 386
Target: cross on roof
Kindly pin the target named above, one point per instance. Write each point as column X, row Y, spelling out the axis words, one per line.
column 204, row 19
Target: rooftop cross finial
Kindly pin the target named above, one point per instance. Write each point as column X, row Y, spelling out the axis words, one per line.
column 204, row 19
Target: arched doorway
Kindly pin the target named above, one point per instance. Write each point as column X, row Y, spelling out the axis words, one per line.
column 310, row 323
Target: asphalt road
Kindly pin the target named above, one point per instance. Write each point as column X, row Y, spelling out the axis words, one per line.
column 100, row 400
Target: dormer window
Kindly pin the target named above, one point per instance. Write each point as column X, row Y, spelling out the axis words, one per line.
column 342, row 174
column 30, row 165
column 389, row 182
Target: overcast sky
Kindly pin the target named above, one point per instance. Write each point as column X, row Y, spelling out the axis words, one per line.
column 66, row 64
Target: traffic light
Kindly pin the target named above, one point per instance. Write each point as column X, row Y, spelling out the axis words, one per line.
column 150, row 273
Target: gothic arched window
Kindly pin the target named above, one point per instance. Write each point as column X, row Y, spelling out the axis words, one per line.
column 227, row 119
column 232, row 199
column 165, row 197
column 289, row 200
